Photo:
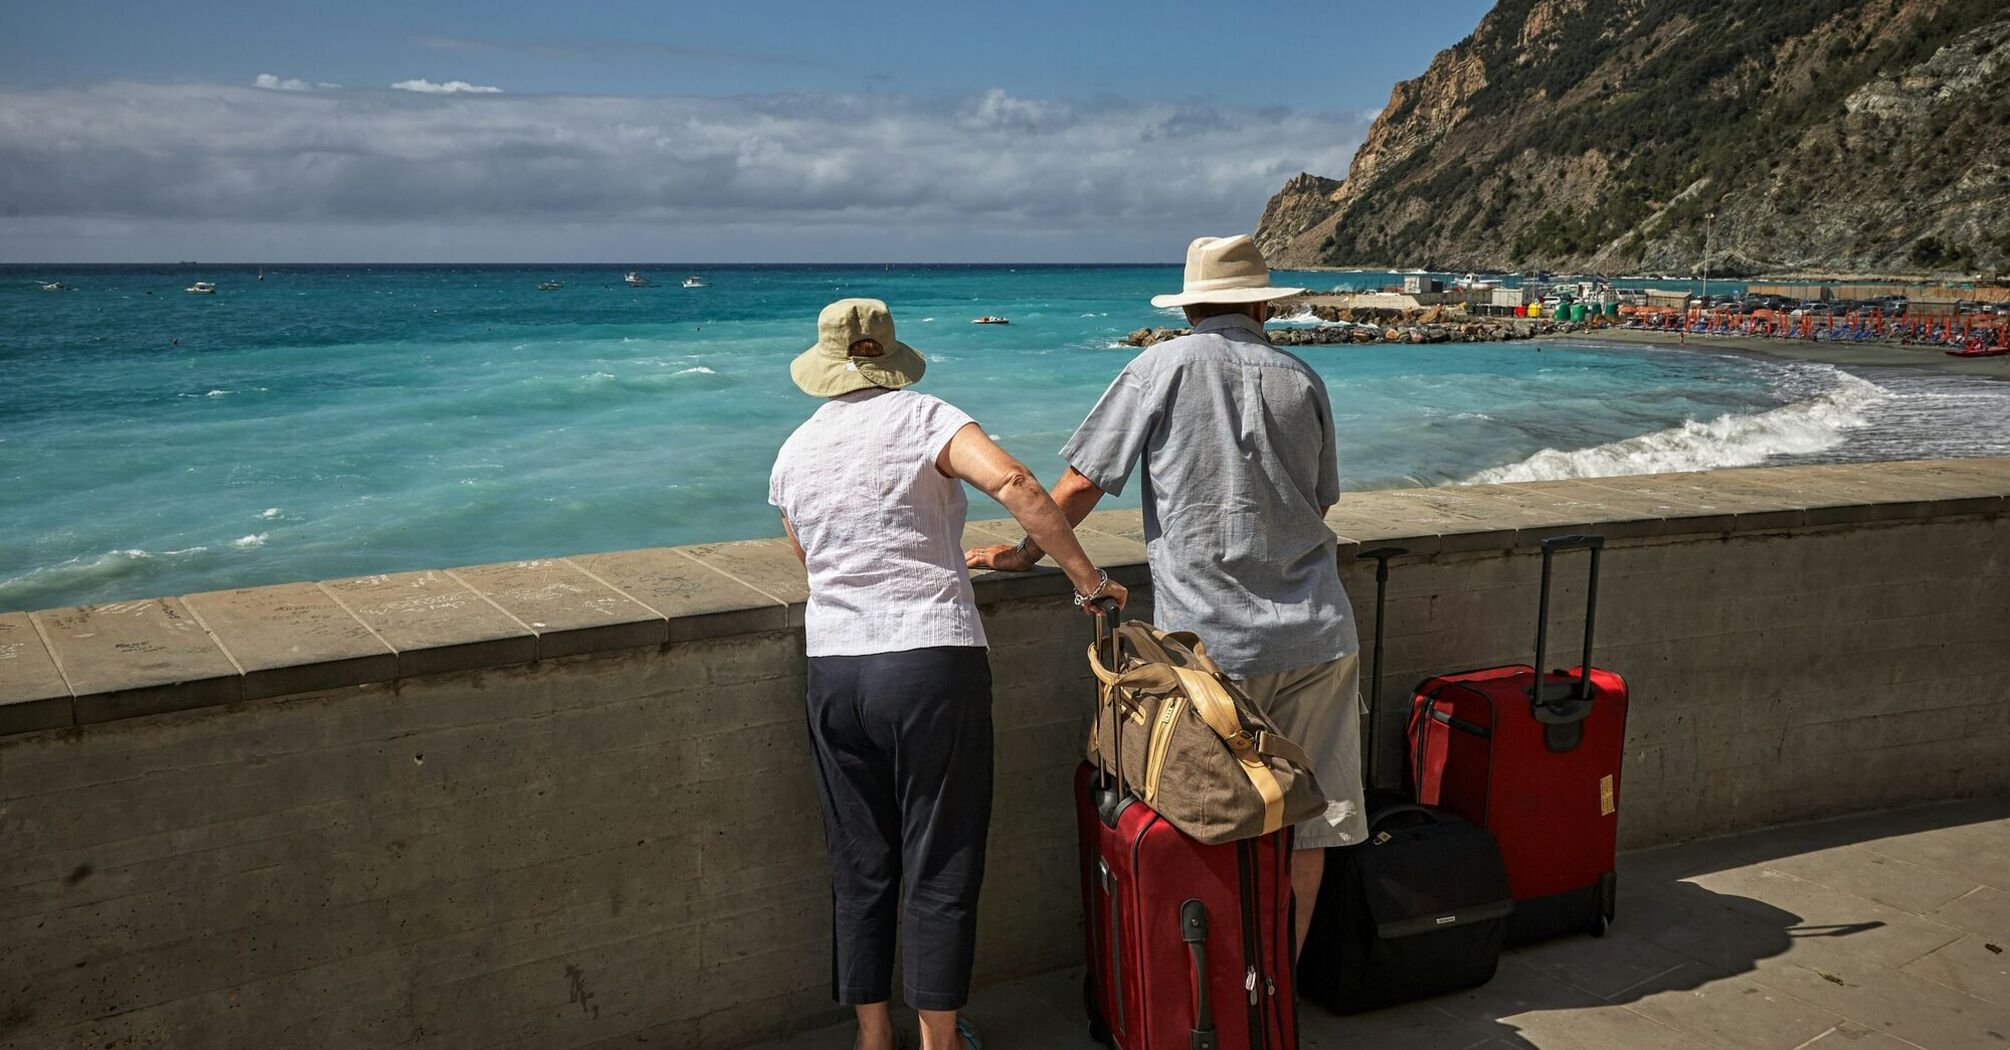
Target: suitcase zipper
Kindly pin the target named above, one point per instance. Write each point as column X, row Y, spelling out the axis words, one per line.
column 1162, row 735
column 1268, row 914
column 1244, row 862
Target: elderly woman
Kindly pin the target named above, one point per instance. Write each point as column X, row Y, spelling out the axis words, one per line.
column 871, row 492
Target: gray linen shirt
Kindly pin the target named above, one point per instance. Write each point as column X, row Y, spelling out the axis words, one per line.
column 1236, row 439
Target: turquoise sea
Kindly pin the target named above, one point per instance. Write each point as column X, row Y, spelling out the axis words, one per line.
column 337, row 420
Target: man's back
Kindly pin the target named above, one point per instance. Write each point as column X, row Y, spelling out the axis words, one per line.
column 1235, row 439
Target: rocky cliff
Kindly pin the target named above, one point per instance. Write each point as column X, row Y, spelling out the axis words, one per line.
column 1866, row 136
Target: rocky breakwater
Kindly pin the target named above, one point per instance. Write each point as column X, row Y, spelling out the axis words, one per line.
column 1405, row 332
column 1334, row 325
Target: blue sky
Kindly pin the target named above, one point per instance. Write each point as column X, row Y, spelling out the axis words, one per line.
column 676, row 131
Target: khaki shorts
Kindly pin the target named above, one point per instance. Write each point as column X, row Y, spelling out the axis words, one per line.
column 1319, row 709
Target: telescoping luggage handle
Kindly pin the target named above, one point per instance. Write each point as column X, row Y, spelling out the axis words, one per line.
column 1381, row 556
column 1112, row 795
column 1562, row 703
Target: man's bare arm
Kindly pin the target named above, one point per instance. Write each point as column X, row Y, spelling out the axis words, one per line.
column 1075, row 494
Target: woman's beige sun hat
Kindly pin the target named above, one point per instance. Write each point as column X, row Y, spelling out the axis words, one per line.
column 1224, row 270
column 830, row 368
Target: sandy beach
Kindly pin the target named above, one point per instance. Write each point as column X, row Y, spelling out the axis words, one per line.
column 1874, row 355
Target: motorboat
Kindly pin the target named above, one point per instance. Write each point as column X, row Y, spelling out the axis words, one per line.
column 695, row 281
column 1474, row 282
column 55, row 286
column 201, row 288
column 550, row 286
column 634, row 279
column 988, row 319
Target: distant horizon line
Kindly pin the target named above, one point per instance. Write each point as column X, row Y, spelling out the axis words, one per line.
column 611, row 265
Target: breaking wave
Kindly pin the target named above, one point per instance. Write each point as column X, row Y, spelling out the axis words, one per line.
column 1811, row 425
column 66, row 580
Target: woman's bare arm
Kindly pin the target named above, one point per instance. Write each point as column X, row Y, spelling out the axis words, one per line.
column 973, row 457
column 794, row 543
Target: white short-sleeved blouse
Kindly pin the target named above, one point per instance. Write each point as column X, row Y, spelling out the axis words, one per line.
column 881, row 527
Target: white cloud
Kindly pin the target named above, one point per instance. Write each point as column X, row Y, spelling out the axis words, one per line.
column 273, row 83
column 451, row 87
column 779, row 177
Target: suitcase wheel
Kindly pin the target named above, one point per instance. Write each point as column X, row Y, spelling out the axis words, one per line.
column 1608, row 900
column 1099, row 1029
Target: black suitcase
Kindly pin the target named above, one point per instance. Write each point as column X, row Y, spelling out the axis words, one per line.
column 1418, row 910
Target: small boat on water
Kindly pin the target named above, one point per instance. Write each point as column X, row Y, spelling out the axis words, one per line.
column 636, row 280
column 201, row 288
column 55, row 286
column 550, row 286
column 695, row 281
column 988, row 319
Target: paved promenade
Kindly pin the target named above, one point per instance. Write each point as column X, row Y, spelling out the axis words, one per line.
column 1877, row 932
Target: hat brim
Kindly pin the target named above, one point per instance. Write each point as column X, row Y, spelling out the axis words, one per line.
column 821, row 376
column 1225, row 295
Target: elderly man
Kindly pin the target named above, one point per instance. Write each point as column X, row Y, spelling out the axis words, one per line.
column 1236, row 441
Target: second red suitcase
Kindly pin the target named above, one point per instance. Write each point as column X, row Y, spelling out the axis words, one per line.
column 1188, row 945
column 1539, row 769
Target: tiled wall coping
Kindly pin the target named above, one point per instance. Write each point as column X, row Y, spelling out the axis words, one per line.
column 96, row 663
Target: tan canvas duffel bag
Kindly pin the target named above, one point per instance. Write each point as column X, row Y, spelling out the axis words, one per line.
column 1194, row 748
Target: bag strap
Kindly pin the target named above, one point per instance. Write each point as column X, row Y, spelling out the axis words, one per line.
column 1217, row 709
column 1192, row 643
column 1278, row 747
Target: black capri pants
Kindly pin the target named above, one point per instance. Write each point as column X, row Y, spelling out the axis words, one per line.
column 903, row 749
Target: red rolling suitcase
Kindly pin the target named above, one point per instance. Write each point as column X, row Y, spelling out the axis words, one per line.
column 1188, row 945
column 1539, row 769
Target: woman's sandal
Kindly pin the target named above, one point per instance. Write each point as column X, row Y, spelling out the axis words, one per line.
column 968, row 1033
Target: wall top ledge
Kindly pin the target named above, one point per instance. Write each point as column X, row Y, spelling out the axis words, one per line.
column 70, row 667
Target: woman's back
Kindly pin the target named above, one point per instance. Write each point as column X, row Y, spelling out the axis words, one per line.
column 881, row 527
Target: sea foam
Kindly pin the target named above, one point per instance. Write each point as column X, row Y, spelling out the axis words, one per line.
column 1811, row 425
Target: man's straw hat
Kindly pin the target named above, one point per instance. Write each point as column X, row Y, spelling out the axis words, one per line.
column 830, row 368
column 1224, row 270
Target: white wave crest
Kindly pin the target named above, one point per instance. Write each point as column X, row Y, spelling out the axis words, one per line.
column 251, row 542
column 1814, row 424
column 54, row 583
column 270, row 513
column 696, row 370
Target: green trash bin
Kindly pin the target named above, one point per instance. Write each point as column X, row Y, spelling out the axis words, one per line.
column 1612, row 308
column 1562, row 312
column 1579, row 312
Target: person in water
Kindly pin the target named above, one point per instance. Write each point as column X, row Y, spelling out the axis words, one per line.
column 1234, row 441
column 899, row 693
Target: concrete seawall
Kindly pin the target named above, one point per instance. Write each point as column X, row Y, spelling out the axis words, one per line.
column 568, row 803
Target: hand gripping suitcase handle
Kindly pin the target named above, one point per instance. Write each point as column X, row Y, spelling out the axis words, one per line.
column 1381, row 556
column 1573, row 702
